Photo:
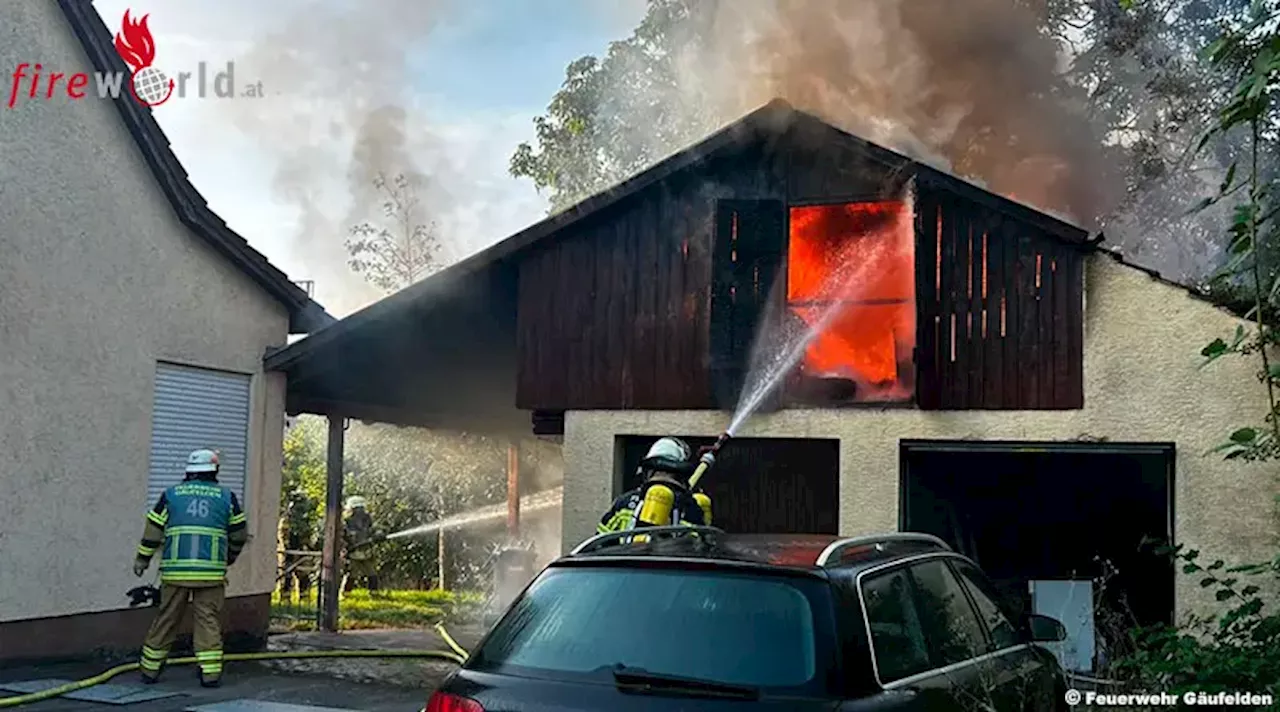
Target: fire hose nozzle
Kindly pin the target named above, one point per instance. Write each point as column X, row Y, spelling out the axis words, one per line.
column 708, row 458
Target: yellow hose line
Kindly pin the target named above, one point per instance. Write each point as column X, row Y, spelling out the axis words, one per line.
column 232, row 657
column 448, row 639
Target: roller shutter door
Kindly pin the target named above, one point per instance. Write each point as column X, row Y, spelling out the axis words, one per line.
column 198, row 408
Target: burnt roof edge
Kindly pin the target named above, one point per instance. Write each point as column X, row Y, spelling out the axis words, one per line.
column 305, row 314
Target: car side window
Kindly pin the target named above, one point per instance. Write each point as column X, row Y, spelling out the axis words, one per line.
column 1003, row 633
column 897, row 638
column 950, row 624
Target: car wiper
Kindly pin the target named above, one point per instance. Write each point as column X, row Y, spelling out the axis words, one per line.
column 641, row 682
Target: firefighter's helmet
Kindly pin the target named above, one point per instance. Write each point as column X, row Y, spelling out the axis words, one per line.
column 673, row 449
column 356, row 502
column 202, row 461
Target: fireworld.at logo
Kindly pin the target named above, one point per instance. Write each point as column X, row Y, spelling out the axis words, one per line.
column 138, row 50
column 147, row 83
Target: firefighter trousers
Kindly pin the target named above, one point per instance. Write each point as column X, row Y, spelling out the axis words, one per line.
column 205, row 603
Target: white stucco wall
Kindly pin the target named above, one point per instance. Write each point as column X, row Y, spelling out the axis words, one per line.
column 1142, row 384
column 98, row 281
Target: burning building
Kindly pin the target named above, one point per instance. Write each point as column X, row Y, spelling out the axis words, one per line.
column 990, row 374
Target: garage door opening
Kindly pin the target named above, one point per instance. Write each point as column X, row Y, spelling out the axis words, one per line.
column 759, row 485
column 1052, row 512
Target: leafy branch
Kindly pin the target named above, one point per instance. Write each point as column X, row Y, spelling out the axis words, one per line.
column 1250, row 52
column 402, row 250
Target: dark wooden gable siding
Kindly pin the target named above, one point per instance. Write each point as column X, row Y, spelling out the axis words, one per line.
column 1000, row 306
column 615, row 311
column 824, row 165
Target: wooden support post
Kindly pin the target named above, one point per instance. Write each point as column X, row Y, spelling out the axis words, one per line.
column 513, row 489
column 330, row 566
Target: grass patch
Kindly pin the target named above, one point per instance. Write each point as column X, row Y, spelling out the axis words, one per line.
column 361, row 610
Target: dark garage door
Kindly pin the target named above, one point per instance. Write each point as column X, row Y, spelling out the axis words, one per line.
column 762, row 485
column 1028, row 511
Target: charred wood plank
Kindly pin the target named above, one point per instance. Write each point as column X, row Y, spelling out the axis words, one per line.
column 646, row 343
column 1075, row 315
column 1030, row 366
column 578, row 289
column 1011, row 355
column 682, row 335
column 993, row 376
column 927, row 246
column 603, row 246
column 622, row 318
column 1061, row 285
column 947, row 304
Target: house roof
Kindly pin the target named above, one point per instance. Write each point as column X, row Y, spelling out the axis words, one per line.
column 773, row 119
column 305, row 315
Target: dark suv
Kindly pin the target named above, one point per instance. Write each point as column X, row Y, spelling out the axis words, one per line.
column 696, row 619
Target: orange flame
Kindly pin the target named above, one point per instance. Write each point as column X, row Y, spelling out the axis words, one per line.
column 136, row 47
column 872, row 339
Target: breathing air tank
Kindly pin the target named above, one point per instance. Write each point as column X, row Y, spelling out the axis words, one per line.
column 705, row 503
column 655, row 511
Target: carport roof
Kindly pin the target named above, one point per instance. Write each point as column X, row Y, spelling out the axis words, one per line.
column 305, row 315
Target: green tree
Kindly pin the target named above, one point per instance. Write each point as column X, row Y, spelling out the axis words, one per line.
column 615, row 116
column 402, row 248
column 1240, row 648
column 1136, row 74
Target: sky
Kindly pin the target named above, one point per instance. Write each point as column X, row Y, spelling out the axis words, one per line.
column 477, row 77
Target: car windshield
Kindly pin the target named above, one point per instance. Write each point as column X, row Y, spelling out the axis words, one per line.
column 724, row 627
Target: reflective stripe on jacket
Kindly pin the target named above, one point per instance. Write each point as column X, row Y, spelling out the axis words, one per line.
column 203, row 530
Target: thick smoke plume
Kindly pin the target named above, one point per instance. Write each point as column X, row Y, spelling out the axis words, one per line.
column 969, row 86
column 339, row 113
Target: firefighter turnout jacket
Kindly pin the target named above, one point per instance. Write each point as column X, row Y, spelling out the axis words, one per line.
column 200, row 529
column 625, row 512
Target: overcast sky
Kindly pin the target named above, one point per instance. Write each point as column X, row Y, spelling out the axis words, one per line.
column 476, row 78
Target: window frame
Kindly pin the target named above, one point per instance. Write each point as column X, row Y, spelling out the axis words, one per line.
column 968, row 588
column 983, row 644
column 937, row 669
column 789, row 395
column 882, row 573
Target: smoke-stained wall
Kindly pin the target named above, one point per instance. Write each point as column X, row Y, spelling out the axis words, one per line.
column 98, row 281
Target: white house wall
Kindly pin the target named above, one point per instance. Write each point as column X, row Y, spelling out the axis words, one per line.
column 1142, row 383
column 98, row 281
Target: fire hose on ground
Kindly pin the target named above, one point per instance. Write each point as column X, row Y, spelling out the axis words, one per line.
column 456, row 655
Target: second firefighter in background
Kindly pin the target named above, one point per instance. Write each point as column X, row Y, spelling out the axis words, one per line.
column 664, row 498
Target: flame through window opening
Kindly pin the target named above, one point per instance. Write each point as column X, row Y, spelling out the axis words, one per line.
column 857, row 258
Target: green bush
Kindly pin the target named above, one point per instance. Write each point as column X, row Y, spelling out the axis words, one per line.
column 1238, row 650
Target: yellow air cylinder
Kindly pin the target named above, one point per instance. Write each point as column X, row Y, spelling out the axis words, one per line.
column 705, row 503
column 655, row 511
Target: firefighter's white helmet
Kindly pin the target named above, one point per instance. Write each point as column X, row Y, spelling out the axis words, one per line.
column 356, row 502
column 202, row 461
column 670, row 449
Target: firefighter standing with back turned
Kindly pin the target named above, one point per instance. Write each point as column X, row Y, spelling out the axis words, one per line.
column 200, row 528
column 665, row 497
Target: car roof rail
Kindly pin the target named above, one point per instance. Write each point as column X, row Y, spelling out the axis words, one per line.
column 601, row 541
column 830, row 555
